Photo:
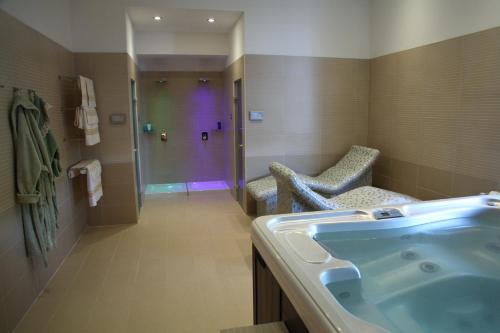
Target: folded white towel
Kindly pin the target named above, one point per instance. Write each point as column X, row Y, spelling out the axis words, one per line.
column 87, row 119
column 82, row 85
column 94, row 185
column 86, row 115
column 90, row 93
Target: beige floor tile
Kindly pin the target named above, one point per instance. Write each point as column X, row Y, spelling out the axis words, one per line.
column 185, row 267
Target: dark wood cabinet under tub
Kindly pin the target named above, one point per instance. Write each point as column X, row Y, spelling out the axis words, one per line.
column 270, row 303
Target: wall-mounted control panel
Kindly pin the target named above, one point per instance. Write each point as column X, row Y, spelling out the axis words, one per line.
column 204, row 136
column 118, row 119
column 256, row 115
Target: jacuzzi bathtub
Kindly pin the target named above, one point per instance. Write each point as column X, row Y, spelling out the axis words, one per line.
column 426, row 267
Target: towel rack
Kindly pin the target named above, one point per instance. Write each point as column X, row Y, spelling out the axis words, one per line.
column 66, row 77
column 75, row 172
column 78, row 169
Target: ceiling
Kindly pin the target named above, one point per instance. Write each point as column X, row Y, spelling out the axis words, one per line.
column 181, row 63
column 182, row 20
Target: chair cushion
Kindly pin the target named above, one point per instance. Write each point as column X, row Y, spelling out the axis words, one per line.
column 369, row 196
column 347, row 173
column 264, row 188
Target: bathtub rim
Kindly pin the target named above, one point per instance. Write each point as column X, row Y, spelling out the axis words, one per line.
column 301, row 279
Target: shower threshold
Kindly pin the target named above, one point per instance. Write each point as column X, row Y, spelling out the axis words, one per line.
column 215, row 185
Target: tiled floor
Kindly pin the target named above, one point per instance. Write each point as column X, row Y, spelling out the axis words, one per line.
column 215, row 185
column 186, row 267
column 166, row 188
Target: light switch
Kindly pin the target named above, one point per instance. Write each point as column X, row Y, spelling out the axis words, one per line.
column 256, row 115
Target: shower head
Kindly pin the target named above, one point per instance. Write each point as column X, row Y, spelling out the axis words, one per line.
column 203, row 80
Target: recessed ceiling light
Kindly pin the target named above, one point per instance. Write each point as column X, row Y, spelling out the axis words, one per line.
column 211, row 20
column 157, row 18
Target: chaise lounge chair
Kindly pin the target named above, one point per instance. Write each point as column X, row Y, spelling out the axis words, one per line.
column 353, row 170
column 295, row 196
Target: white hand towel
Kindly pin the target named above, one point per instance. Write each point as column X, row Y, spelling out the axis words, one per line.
column 79, row 117
column 94, row 185
column 91, row 126
column 86, row 115
column 82, row 85
column 87, row 120
column 90, row 93
column 93, row 170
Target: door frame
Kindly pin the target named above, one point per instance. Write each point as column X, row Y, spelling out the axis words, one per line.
column 239, row 142
column 136, row 144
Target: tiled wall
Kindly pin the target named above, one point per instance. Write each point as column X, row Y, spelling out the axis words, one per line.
column 233, row 72
column 30, row 60
column 111, row 73
column 184, row 108
column 314, row 110
column 435, row 116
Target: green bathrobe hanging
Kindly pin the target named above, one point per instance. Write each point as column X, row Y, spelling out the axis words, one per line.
column 37, row 163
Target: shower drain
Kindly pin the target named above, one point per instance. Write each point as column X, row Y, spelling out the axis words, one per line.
column 493, row 247
column 429, row 267
column 409, row 255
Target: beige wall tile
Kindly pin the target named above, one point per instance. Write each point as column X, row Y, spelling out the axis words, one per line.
column 440, row 102
column 117, row 173
column 303, row 144
column 404, row 186
column 258, row 166
column 306, row 164
column 269, row 145
column 467, row 185
column 439, row 155
column 381, row 181
column 425, row 194
column 10, row 230
column 328, row 160
column 184, row 110
column 403, row 171
column 436, row 180
column 313, row 107
column 118, row 194
column 274, row 110
column 21, row 279
column 111, row 73
column 478, row 161
column 382, row 166
column 4, row 325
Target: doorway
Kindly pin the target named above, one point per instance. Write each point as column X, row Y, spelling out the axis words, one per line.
column 137, row 157
column 238, row 140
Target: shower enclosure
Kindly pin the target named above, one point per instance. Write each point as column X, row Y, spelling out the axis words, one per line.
column 184, row 151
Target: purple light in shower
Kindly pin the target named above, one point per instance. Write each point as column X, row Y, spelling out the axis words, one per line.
column 207, row 186
column 203, row 118
column 204, row 100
